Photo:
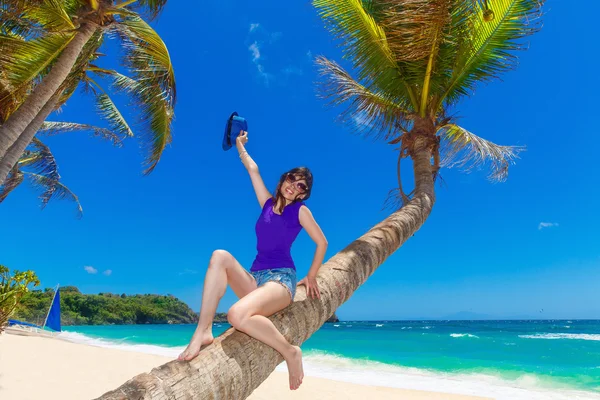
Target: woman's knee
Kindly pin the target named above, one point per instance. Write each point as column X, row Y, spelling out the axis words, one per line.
column 220, row 259
column 236, row 316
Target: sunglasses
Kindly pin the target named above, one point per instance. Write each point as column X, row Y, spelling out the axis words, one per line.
column 300, row 187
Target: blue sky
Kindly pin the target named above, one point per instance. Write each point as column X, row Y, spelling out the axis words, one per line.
column 484, row 249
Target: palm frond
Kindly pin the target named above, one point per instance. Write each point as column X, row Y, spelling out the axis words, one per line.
column 463, row 149
column 53, row 190
column 52, row 15
column 412, row 26
column 152, row 89
column 488, row 43
column 119, row 81
column 40, row 160
column 109, row 111
column 368, row 112
column 14, row 23
column 151, row 8
column 25, row 61
column 13, row 180
column 147, row 56
column 157, row 117
column 366, row 45
column 51, row 128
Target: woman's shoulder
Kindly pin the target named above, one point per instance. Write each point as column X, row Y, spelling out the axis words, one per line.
column 268, row 202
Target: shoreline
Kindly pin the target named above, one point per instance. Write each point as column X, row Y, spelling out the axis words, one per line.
column 65, row 370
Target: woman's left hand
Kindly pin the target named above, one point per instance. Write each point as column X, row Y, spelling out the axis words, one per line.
column 312, row 287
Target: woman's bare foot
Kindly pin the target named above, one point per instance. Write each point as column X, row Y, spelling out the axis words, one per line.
column 294, row 365
column 199, row 340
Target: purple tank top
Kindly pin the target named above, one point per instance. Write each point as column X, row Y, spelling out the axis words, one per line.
column 275, row 234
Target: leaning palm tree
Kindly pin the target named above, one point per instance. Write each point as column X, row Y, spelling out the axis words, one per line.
column 47, row 47
column 37, row 164
column 413, row 60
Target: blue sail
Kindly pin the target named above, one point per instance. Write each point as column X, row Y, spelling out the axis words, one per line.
column 53, row 320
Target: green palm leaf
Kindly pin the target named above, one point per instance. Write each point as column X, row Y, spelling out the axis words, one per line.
column 52, row 15
column 463, row 149
column 40, row 160
column 53, row 190
column 109, row 111
column 51, row 128
column 150, row 7
column 157, row 116
column 38, row 165
column 365, row 44
column 24, row 61
column 369, row 112
column 152, row 88
column 147, row 56
column 487, row 46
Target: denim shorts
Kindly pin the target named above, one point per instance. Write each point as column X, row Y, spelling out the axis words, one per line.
column 284, row 276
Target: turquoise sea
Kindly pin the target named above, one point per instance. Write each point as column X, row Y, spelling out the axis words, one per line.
column 501, row 359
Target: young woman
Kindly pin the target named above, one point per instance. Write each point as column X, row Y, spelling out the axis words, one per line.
column 271, row 283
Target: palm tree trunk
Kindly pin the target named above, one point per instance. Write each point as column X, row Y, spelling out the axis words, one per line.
column 16, row 150
column 18, row 121
column 235, row 364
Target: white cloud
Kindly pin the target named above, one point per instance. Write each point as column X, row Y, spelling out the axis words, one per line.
column 255, row 50
column 309, row 55
column 108, row 272
column 256, row 59
column 543, row 225
column 260, row 39
column 90, row 269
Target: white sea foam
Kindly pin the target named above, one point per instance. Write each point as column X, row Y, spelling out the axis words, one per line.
column 119, row 344
column 527, row 387
column 334, row 367
column 463, row 335
column 554, row 336
column 378, row 325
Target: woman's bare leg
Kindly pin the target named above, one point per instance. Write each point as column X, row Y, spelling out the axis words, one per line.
column 223, row 269
column 249, row 315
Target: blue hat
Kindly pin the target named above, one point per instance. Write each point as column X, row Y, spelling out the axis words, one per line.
column 234, row 125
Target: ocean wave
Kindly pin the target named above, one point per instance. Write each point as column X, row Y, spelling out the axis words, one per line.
column 457, row 335
column 335, row 367
column 378, row 325
column 554, row 336
column 527, row 387
column 80, row 338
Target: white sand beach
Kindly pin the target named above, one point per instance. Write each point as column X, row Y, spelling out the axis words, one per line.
column 33, row 368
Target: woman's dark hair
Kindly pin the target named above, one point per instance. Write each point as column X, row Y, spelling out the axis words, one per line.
column 299, row 173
